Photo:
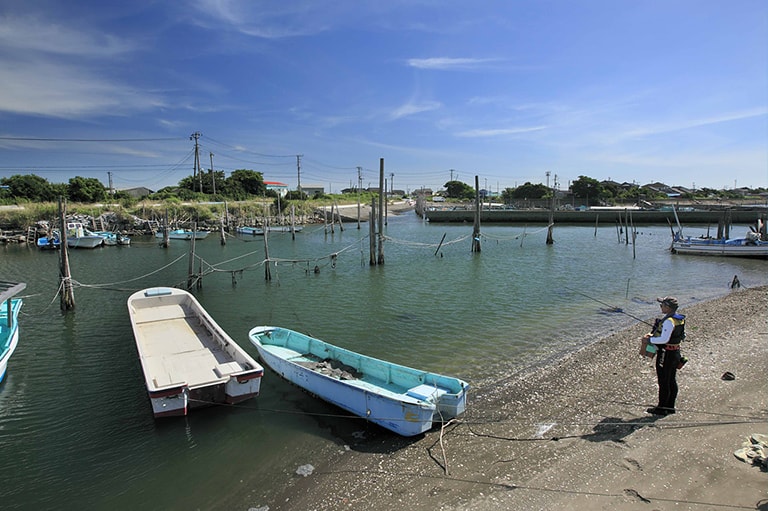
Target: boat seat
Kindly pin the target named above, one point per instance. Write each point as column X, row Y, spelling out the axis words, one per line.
column 427, row 392
column 227, row 369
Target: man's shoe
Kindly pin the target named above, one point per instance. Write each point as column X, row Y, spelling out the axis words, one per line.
column 658, row 411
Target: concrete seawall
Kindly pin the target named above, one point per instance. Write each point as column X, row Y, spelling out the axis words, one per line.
column 590, row 216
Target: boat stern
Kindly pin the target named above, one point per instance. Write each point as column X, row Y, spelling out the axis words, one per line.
column 244, row 385
column 170, row 401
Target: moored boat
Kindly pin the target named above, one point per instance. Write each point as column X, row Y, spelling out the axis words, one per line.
column 401, row 399
column 749, row 246
column 183, row 234
column 50, row 242
column 9, row 321
column 253, row 231
column 187, row 358
column 80, row 237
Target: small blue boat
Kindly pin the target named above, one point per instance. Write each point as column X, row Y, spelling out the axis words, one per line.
column 9, row 321
column 401, row 399
column 52, row 242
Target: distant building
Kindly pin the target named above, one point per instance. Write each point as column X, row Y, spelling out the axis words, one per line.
column 138, row 192
column 280, row 188
column 312, row 190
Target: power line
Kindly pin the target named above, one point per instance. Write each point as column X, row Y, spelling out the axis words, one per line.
column 30, row 139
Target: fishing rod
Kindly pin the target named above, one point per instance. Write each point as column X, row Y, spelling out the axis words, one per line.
column 613, row 307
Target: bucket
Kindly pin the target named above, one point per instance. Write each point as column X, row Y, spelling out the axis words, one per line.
column 647, row 349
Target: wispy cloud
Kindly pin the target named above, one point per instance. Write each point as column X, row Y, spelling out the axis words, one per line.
column 265, row 19
column 58, row 75
column 448, row 64
column 34, row 35
column 414, row 108
column 685, row 124
column 477, row 133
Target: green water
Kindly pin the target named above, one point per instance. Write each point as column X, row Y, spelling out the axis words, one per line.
column 76, row 428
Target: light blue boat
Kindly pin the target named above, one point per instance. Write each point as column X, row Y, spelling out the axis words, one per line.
column 403, row 400
column 9, row 321
column 183, row 234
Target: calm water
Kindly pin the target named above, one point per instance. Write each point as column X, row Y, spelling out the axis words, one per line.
column 76, row 428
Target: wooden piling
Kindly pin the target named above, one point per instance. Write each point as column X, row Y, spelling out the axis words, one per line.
column 67, row 301
column 476, row 227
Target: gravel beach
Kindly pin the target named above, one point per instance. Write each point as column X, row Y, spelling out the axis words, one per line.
column 574, row 434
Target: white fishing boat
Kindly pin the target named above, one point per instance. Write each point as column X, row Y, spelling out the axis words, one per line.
column 9, row 321
column 749, row 246
column 80, row 237
column 187, row 358
column 183, row 234
column 401, row 399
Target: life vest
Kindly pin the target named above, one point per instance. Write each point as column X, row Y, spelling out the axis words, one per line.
column 678, row 330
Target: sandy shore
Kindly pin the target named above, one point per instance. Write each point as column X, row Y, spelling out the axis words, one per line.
column 575, row 435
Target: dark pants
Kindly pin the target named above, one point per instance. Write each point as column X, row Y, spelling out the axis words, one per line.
column 666, row 372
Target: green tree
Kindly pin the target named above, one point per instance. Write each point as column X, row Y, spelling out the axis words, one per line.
column 587, row 188
column 31, row 187
column 86, row 189
column 529, row 191
column 459, row 190
column 244, row 183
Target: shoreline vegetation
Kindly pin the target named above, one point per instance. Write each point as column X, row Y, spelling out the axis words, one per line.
column 145, row 218
column 574, row 434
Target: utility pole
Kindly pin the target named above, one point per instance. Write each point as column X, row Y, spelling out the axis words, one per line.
column 111, row 190
column 213, row 176
column 451, row 174
column 298, row 169
column 391, row 184
column 196, row 172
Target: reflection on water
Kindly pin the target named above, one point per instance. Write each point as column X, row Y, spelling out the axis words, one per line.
column 75, row 422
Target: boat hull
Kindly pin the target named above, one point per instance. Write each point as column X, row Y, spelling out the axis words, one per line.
column 9, row 330
column 403, row 400
column 758, row 250
column 188, row 360
column 182, row 234
column 85, row 242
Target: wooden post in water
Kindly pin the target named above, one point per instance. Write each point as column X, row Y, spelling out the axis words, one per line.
column 267, row 269
column 191, row 268
column 628, row 226
column 372, row 233
column 67, row 300
column 293, row 222
column 476, row 227
column 338, row 217
column 166, row 235
column 381, row 212
column 597, row 216
column 550, row 240
column 223, row 239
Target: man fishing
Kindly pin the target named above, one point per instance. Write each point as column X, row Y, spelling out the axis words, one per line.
column 666, row 336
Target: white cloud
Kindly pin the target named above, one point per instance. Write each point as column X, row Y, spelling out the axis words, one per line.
column 446, row 63
column 414, row 108
column 477, row 133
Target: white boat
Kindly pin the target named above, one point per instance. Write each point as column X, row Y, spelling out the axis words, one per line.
column 749, row 246
column 183, row 234
column 9, row 321
column 187, row 358
column 80, row 237
column 258, row 231
column 253, row 231
column 112, row 239
column 403, row 400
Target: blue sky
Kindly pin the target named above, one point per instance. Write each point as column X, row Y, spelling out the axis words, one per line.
column 654, row 90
